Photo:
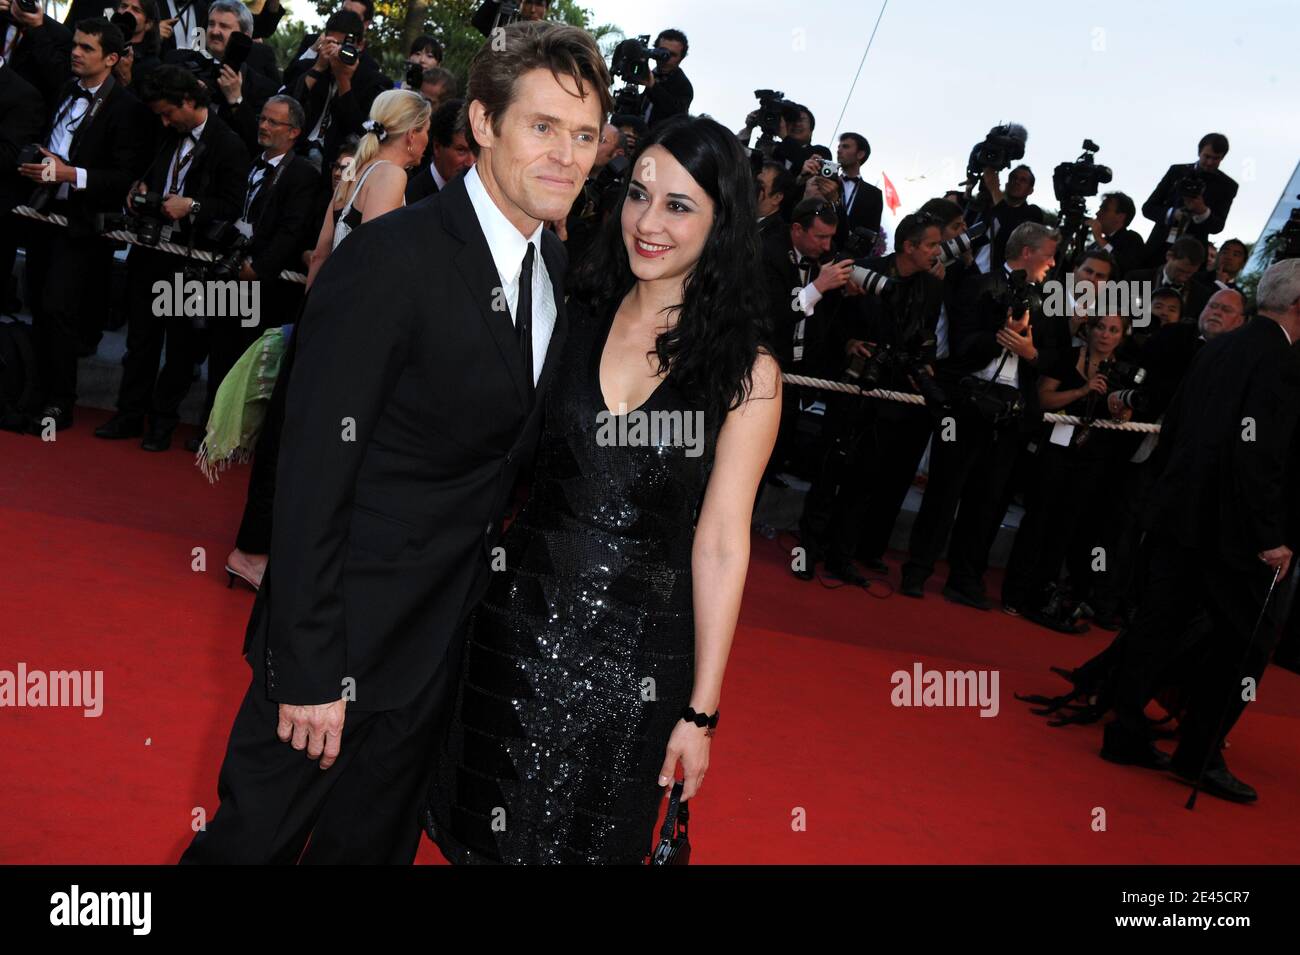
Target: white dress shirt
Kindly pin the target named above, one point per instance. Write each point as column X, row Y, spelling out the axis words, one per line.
column 442, row 183
column 177, row 164
column 65, row 128
column 1010, row 372
column 508, row 246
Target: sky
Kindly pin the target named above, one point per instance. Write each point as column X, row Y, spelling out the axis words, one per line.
column 1144, row 79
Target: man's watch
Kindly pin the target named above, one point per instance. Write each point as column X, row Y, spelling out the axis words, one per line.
column 194, row 207
column 236, row 101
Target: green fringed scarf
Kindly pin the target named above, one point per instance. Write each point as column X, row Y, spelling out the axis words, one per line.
column 240, row 405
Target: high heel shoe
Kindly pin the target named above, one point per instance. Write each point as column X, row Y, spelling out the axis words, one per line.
column 231, row 573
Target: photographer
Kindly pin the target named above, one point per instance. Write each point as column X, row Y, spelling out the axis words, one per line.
column 884, row 339
column 1111, row 233
column 237, row 93
column 278, row 222
column 425, row 54
column 1008, row 210
column 633, row 129
column 992, row 377
column 196, row 179
column 143, row 51
column 862, row 203
column 336, row 94
column 1182, row 261
column 36, row 47
column 22, row 116
column 451, row 154
column 1226, row 266
column 1193, row 199
column 774, row 184
column 794, row 131
column 951, row 269
column 668, row 92
column 1069, row 463
column 92, row 150
column 1065, row 332
column 486, row 15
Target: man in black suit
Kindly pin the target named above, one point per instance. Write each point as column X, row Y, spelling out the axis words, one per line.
column 863, row 203
column 1182, row 261
column 668, row 92
column 1192, row 199
column 413, row 406
column 1217, row 538
column 486, row 15
column 1007, row 211
column 94, row 145
column 200, row 172
column 972, row 454
column 1111, row 233
column 774, row 183
column 337, row 96
column 278, row 217
column 451, row 153
column 37, row 47
column 22, row 116
column 239, row 94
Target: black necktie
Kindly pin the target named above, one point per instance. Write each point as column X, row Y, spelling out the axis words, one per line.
column 524, row 315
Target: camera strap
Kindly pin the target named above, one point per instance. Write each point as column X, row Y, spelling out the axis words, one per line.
column 88, row 117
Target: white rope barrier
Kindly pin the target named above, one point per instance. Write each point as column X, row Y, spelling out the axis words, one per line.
column 130, row 239
column 911, row 399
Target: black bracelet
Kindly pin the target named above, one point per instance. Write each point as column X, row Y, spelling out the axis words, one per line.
column 702, row 720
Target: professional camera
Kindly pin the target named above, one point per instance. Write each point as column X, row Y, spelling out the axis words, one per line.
column 207, row 69
column 29, row 154
column 414, row 76
column 959, row 245
column 1125, row 379
column 630, row 61
column 1074, row 181
column 1190, row 186
column 348, row 53
column 1288, row 238
column 146, row 216
column 1000, row 148
column 1020, row 295
column 28, row 6
column 234, row 249
column 125, row 22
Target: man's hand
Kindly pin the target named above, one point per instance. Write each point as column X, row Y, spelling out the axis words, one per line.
column 167, row 27
column 855, row 348
column 343, row 73
column 21, row 17
column 1118, row 410
column 317, row 728
column 1097, row 235
column 326, row 49
column 1017, row 337
column 246, row 272
column 853, row 288
column 231, row 83
column 176, row 207
column 833, row 276
column 1279, row 558
column 1098, row 385
column 1196, row 205
column 812, row 166
column 52, row 169
column 938, row 270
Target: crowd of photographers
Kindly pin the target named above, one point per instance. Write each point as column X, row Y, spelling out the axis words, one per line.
column 173, row 121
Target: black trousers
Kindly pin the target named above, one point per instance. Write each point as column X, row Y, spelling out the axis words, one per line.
column 366, row 809
column 900, row 434
column 971, row 471
column 145, row 389
column 1115, row 590
column 836, row 499
column 61, row 273
column 254, row 535
column 1180, row 585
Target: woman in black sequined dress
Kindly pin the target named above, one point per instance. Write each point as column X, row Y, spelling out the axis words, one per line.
column 624, row 570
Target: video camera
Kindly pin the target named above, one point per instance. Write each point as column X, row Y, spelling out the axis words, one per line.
column 998, row 150
column 1073, row 181
column 631, row 59
column 207, row 69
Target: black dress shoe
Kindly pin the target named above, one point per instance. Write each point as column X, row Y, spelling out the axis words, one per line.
column 61, row 416
column 121, row 426
column 912, row 587
column 845, row 571
column 965, row 597
column 1119, row 746
column 875, row 565
column 1217, row 781
column 159, row 438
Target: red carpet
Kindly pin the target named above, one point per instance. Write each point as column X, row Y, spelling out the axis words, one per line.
column 96, row 564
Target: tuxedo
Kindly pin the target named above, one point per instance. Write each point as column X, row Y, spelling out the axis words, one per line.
column 346, row 112
column 670, row 96
column 1220, row 500
column 382, row 544
column 42, row 56
column 102, row 135
column 796, row 333
column 422, row 184
column 215, row 174
column 862, row 207
column 256, row 89
column 1165, row 200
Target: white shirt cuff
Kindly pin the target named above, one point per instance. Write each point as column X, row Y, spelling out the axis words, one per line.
column 809, row 296
column 81, row 178
column 1201, row 217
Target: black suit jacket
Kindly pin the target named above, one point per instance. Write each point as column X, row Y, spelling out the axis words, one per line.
column 217, row 177
column 670, row 96
column 257, row 88
column 1128, row 251
column 1220, row 190
column 347, row 111
column 111, row 144
column 22, row 116
column 868, row 206
column 283, row 217
column 907, row 319
column 1218, row 489
column 383, row 543
column 974, row 321
column 420, row 186
column 781, row 285
column 43, row 57
column 1194, row 294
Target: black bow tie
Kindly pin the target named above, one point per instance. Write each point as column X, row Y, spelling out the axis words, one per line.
column 80, row 92
column 851, row 178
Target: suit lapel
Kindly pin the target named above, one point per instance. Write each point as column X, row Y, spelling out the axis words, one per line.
column 476, row 267
column 554, row 260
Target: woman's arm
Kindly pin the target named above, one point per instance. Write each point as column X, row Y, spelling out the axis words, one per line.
column 1049, row 399
column 720, row 557
column 324, row 242
column 385, row 190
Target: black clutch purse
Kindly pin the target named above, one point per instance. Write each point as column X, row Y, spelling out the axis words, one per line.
column 674, row 847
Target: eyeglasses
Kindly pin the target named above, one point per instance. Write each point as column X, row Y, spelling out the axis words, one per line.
column 273, row 122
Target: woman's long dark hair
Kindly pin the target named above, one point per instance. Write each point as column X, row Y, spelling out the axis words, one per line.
column 710, row 351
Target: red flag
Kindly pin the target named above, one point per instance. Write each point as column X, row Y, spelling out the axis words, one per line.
column 891, row 194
